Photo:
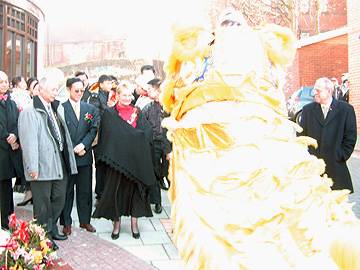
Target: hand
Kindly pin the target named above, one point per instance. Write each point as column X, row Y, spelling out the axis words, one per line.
column 15, row 146
column 81, row 153
column 11, row 138
column 34, row 175
column 80, row 147
column 168, row 156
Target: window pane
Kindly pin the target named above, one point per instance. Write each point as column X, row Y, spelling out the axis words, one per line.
column 30, row 59
column 19, row 56
column 10, row 54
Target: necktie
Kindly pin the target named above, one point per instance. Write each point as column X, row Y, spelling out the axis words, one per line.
column 325, row 110
column 55, row 127
column 77, row 111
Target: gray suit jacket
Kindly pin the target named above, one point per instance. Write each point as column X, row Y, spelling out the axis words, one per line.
column 39, row 148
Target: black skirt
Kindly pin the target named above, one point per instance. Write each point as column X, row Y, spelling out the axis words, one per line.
column 122, row 197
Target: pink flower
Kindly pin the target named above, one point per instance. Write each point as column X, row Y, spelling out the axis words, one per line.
column 12, row 221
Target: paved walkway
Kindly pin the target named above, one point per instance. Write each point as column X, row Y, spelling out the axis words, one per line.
column 154, row 249
column 83, row 250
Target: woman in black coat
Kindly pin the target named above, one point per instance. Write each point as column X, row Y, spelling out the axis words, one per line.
column 125, row 147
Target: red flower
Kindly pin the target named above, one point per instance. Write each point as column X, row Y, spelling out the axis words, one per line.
column 12, row 221
column 88, row 117
column 23, row 232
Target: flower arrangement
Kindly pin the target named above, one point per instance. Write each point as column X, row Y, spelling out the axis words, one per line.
column 28, row 248
column 88, row 117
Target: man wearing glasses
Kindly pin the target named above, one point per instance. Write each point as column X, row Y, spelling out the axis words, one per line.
column 82, row 122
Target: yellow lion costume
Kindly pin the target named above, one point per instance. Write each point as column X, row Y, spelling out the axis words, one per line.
column 245, row 192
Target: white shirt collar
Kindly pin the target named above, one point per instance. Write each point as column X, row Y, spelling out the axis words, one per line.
column 45, row 103
column 327, row 105
column 73, row 103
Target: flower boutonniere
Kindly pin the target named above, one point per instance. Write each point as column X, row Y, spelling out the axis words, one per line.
column 88, row 117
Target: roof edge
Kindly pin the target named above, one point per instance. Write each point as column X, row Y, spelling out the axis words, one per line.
column 322, row 36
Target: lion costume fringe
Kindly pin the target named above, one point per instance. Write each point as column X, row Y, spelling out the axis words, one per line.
column 245, row 192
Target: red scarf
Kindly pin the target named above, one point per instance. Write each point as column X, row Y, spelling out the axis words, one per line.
column 127, row 113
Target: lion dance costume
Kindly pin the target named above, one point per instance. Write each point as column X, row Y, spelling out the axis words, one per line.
column 245, row 192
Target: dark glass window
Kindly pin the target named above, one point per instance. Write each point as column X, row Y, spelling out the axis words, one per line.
column 18, row 41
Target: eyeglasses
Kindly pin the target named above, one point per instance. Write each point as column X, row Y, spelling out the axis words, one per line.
column 77, row 91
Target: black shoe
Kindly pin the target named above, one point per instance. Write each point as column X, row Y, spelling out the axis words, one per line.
column 162, row 185
column 23, row 203
column 60, row 237
column 115, row 236
column 158, row 208
column 54, row 245
column 136, row 235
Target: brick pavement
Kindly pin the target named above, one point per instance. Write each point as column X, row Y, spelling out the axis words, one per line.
column 85, row 251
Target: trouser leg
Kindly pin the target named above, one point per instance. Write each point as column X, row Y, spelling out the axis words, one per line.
column 84, row 194
column 6, row 201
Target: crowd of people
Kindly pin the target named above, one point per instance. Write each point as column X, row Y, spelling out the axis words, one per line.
column 341, row 91
column 50, row 147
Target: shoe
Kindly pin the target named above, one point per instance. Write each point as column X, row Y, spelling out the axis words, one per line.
column 88, row 227
column 56, row 236
column 115, row 236
column 136, row 235
column 54, row 245
column 162, row 185
column 158, row 208
column 67, row 230
column 23, row 203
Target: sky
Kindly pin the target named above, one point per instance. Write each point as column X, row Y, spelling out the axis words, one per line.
column 140, row 21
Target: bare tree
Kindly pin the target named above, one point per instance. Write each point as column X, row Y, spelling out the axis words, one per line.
column 258, row 12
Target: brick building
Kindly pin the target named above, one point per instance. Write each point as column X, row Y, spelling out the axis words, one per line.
column 354, row 55
column 323, row 54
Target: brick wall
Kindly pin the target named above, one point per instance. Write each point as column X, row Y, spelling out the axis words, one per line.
column 328, row 58
column 354, row 56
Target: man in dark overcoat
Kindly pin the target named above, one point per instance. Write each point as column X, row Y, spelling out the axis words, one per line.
column 333, row 124
column 10, row 154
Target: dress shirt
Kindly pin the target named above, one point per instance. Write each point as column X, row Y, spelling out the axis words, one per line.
column 76, row 108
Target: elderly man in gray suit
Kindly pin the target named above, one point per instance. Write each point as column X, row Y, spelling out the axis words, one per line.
column 48, row 155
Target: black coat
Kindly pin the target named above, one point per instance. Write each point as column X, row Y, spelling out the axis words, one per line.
column 10, row 161
column 126, row 149
column 336, row 138
column 82, row 131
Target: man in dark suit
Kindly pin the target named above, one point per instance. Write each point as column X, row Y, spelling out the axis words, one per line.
column 82, row 122
column 333, row 124
column 10, row 154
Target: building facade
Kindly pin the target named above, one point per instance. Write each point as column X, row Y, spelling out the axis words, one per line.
column 21, row 38
column 354, row 56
